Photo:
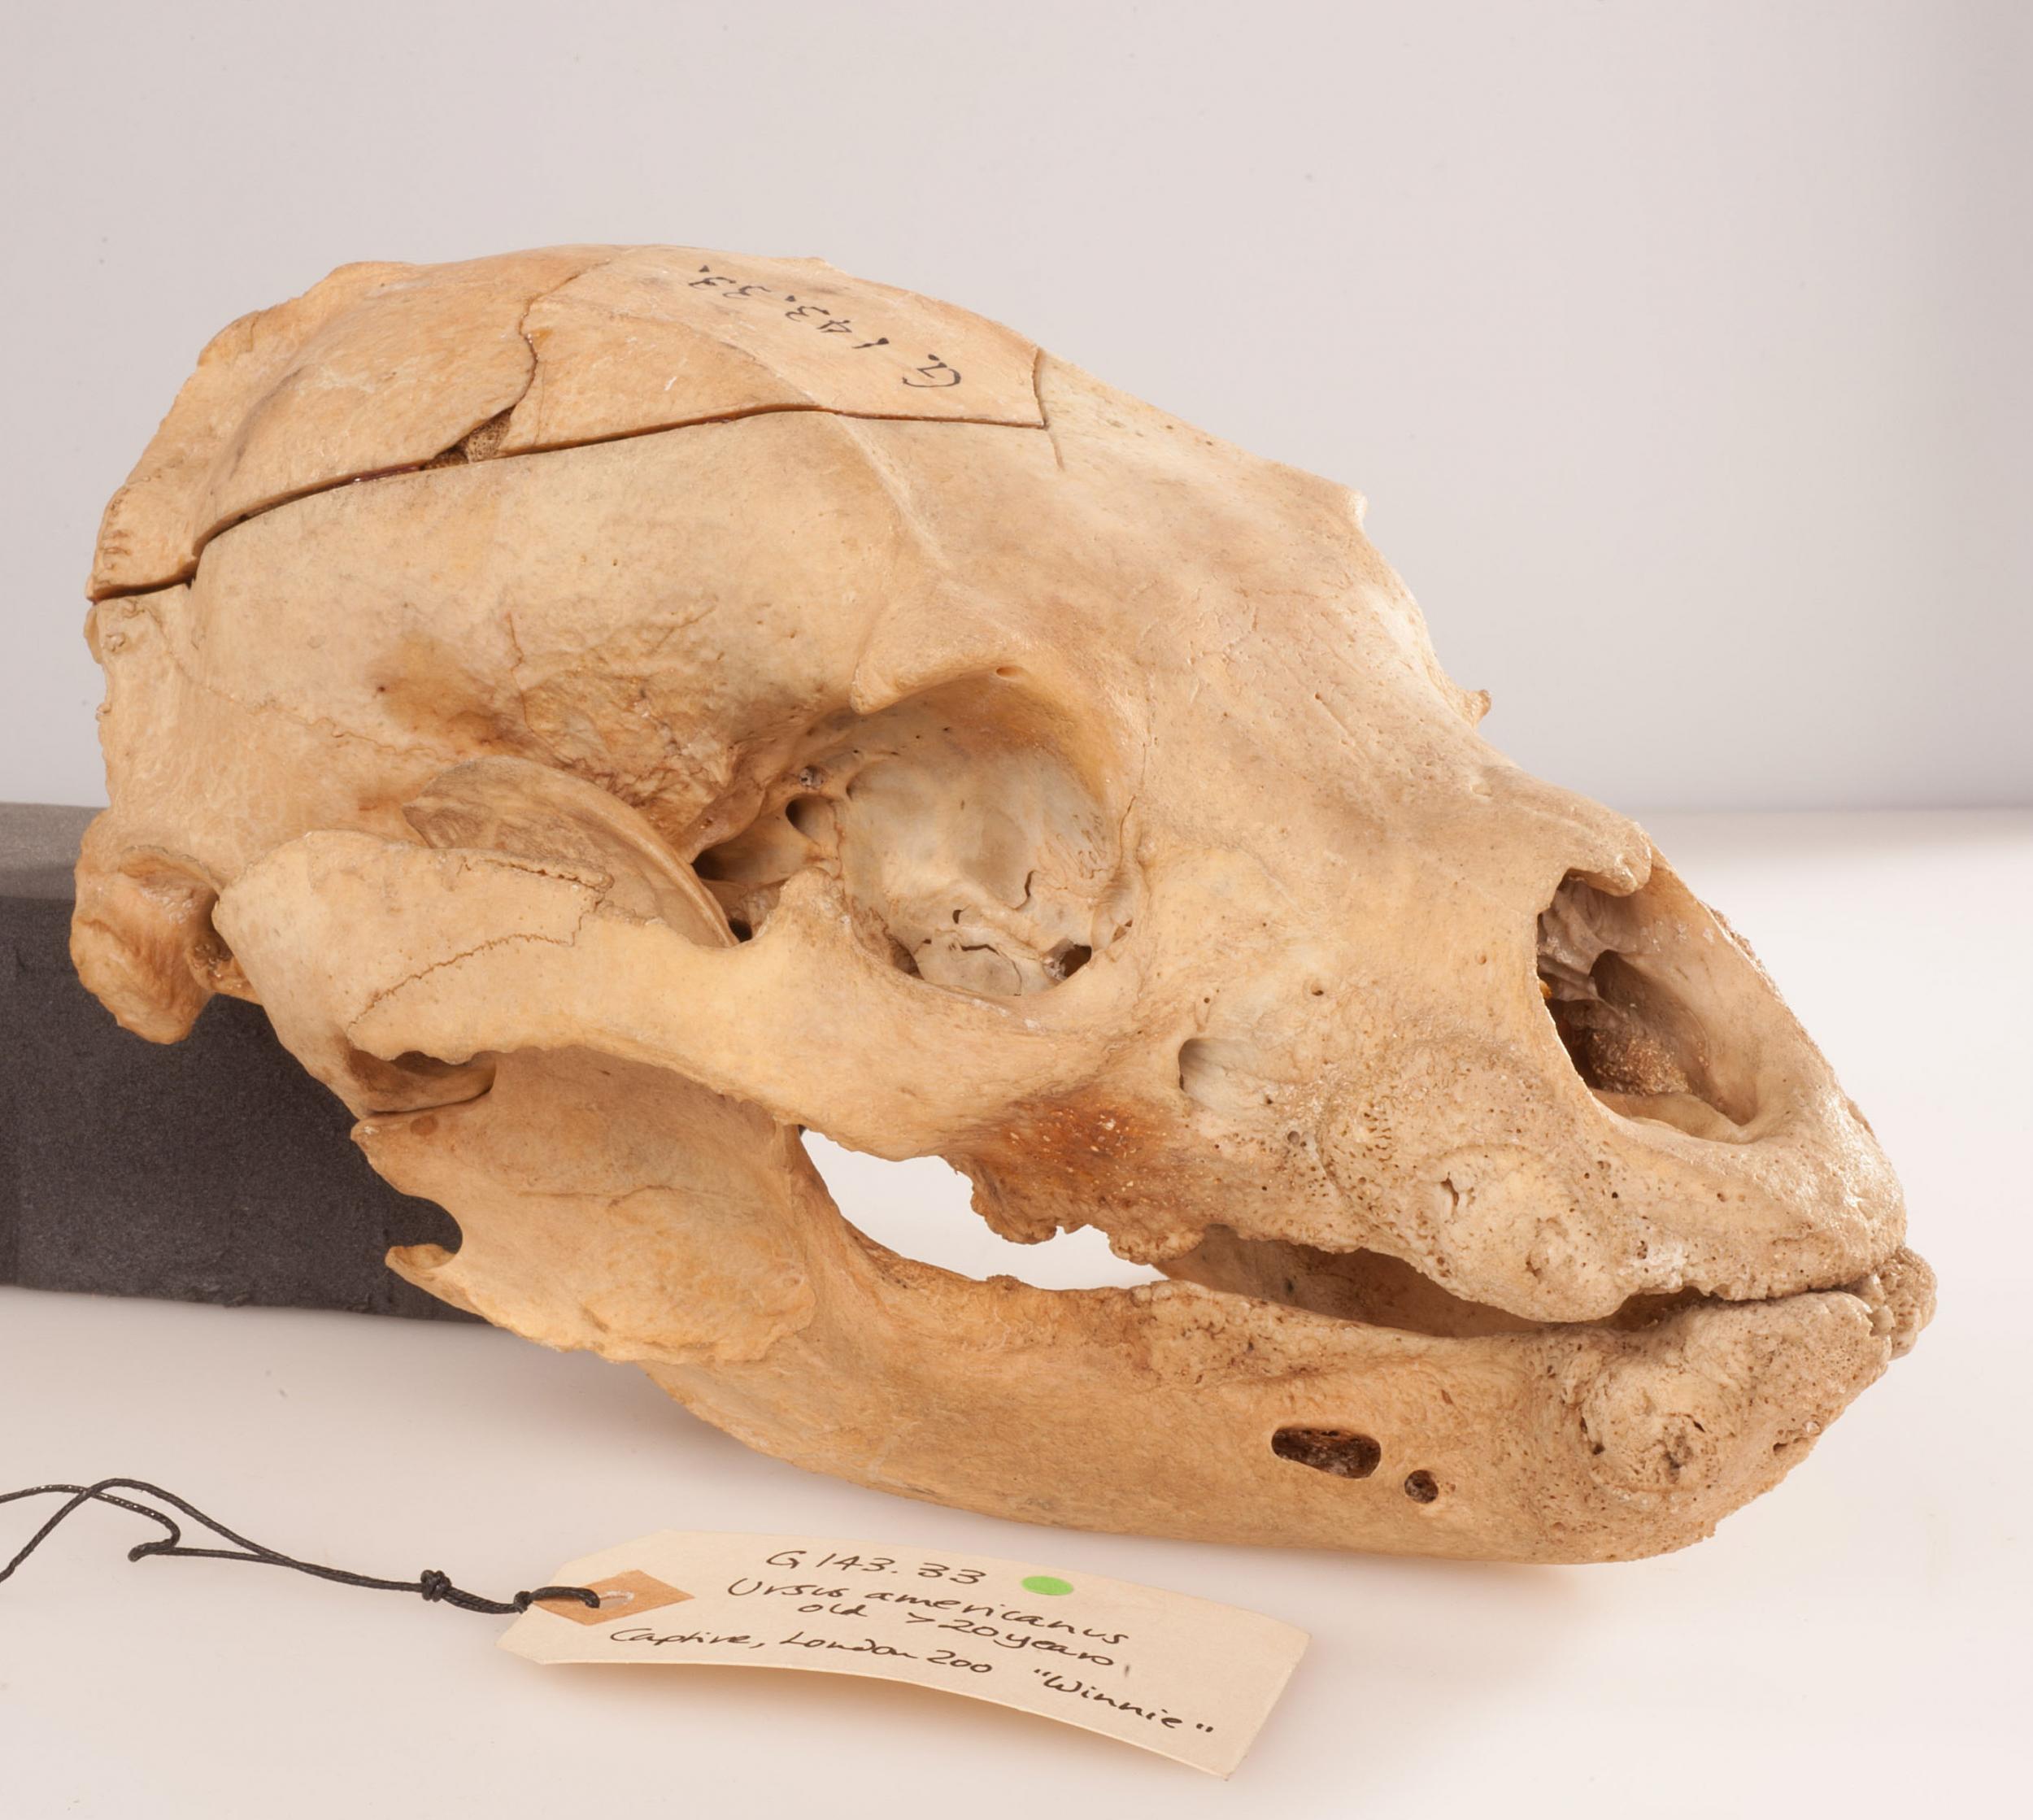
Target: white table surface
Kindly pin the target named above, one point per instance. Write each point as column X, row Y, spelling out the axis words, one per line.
column 1855, row 1643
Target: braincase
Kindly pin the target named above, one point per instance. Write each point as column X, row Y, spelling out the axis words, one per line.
column 884, row 541
column 381, row 367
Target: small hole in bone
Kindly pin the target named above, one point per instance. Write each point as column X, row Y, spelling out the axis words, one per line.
column 1421, row 1488
column 1340, row 1452
column 810, row 816
column 1219, row 1073
column 1067, row 959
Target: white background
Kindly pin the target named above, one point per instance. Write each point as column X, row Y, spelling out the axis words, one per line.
column 1680, row 348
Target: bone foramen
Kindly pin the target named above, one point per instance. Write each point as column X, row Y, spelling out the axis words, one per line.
column 616, row 706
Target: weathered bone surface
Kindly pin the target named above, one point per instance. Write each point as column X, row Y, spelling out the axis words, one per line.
column 615, row 707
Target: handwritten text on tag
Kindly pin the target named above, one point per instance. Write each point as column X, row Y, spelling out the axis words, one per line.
column 1184, row 1677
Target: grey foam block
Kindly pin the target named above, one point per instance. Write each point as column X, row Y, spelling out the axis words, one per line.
column 211, row 1170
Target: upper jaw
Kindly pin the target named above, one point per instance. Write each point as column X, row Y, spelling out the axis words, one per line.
column 1622, row 1108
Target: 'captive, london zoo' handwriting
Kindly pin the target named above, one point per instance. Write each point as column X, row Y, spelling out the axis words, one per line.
column 1183, row 1676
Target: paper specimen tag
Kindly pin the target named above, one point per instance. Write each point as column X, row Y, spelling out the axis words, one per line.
column 1184, row 1677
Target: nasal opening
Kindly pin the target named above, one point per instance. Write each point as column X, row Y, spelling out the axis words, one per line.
column 1627, row 980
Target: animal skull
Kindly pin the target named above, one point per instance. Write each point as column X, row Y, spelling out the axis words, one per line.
column 617, row 708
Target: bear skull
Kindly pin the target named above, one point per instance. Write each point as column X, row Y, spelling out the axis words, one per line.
column 617, row 708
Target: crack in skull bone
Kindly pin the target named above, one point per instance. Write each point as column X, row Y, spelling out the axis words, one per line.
column 1088, row 809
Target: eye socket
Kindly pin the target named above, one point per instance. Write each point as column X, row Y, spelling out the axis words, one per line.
column 970, row 849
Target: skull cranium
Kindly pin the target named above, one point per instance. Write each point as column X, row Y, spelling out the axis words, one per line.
column 616, row 708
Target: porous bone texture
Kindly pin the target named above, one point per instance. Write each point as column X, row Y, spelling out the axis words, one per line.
column 616, row 708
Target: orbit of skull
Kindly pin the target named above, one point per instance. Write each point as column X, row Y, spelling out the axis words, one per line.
column 618, row 707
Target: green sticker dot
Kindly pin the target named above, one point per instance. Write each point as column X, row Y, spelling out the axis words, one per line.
column 1050, row 1585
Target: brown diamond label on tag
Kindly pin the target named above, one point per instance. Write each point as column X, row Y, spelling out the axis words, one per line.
column 621, row 1595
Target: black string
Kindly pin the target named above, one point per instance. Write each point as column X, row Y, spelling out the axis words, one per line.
column 431, row 1586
